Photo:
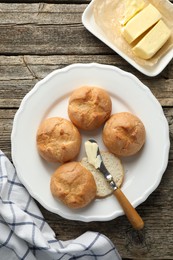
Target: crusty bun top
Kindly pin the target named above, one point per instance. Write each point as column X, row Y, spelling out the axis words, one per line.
column 58, row 140
column 89, row 107
column 73, row 184
column 124, row 134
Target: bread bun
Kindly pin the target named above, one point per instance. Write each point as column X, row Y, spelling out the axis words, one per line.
column 114, row 166
column 58, row 140
column 89, row 107
column 73, row 184
column 124, row 134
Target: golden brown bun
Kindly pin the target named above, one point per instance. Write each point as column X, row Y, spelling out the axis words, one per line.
column 58, row 140
column 89, row 107
column 124, row 134
column 73, row 184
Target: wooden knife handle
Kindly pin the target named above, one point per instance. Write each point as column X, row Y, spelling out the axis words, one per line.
column 129, row 210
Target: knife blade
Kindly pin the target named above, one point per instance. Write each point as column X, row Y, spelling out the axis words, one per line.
column 95, row 158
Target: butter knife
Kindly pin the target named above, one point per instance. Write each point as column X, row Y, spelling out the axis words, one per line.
column 95, row 158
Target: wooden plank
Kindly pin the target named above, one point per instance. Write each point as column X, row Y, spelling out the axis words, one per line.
column 12, row 91
column 42, row 13
column 48, row 1
column 50, row 39
column 59, row 61
column 25, row 32
column 18, row 74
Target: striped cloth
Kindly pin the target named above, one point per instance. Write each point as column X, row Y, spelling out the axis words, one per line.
column 24, row 234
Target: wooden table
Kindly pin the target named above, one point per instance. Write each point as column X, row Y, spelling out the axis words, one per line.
column 37, row 38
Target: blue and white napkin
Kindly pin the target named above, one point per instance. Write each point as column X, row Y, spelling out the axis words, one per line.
column 25, row 235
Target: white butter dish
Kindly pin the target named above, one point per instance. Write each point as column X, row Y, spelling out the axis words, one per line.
column 90, row 24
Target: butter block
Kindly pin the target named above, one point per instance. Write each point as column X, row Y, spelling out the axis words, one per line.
column 152, row 42
column 141, row 22
column 131, row 8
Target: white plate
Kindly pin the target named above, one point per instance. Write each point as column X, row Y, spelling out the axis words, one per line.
column 50, row 97
column 89, row 22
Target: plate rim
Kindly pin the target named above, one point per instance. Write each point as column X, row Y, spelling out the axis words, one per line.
column 139, row 200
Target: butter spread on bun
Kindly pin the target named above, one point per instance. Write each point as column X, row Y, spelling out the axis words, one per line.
column 124, row 134
column 58, row 140
column 113, row 165
column 89, row 107
column 73, row 184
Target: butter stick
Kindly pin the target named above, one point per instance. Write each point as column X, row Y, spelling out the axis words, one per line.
column 152, row 42
column 132, row 7
column 140, row 23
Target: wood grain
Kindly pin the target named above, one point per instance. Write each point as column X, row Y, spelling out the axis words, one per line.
column 46, row 29
column 39, row 37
